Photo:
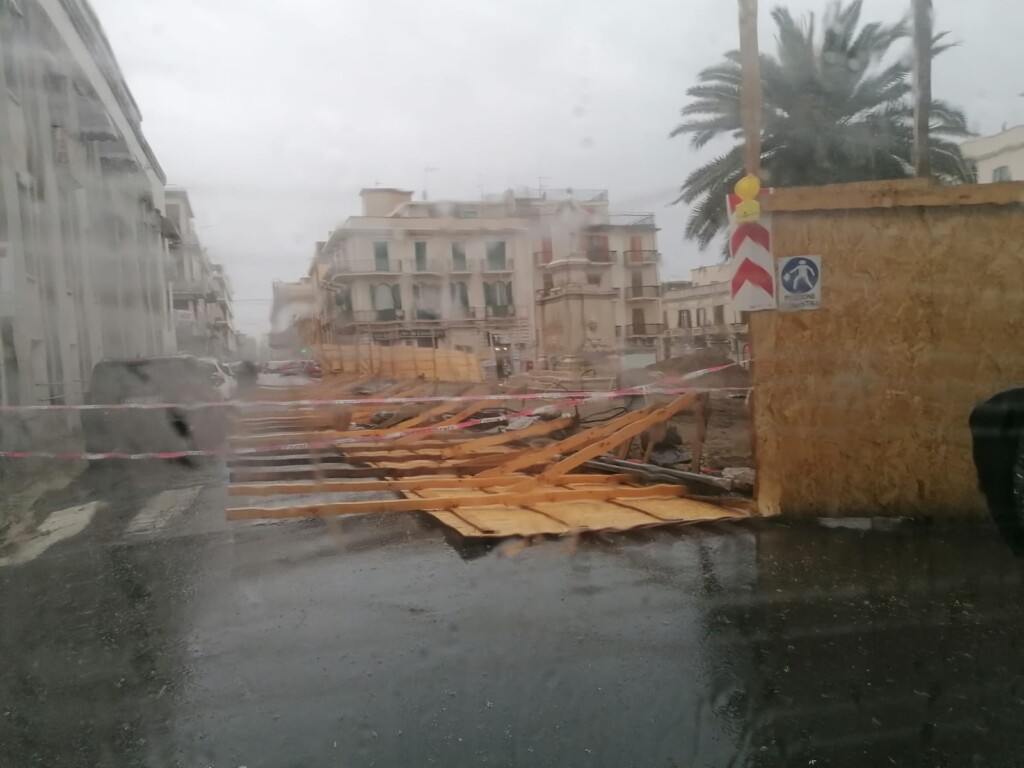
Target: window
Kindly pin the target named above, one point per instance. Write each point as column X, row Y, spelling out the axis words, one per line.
column 498, row 298
column 547, row 251
column 427, row 301
column 421, row 256
column 386, row 300
column 460, row 298
column 468, row 213
column 549, row 283
column 459, row 258
column 684, row 319
column 719, row 311
column 1002, row 173
column 496, row 255
column 593, row 279
column 380, row 257
column 597, row 249
column 702, row 317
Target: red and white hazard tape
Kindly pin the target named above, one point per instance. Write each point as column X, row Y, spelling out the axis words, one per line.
column 315, row 445
column 247, row 404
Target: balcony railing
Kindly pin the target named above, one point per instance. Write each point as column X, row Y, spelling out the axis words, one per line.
column 600, row 256
column 367, row 267
column 647, row 329
column 499, row 311
column 695, row 291
column 642, row 292
column 454, row 314
column 497, row 265
column 461, row 266
column 592, row 258
column 640, row 258
column 193, row 288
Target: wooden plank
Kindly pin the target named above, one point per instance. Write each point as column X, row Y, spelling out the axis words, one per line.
column 570, row 518
column 439, row 409
column 464, row 415
column 401, row 485
column 890, row 194
column 540, row 429
column 595, row 448
column 451, row 502
column 569, row 445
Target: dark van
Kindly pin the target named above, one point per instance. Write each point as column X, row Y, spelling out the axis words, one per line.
column 179, row 380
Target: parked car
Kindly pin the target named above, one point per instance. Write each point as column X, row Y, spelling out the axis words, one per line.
column 181, row 380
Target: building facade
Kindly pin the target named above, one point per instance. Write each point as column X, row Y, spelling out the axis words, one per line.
column 999, row 157
column 83, row 244
column 537, row 277
column 699, row 315
column 201, row 291
column 293, row 320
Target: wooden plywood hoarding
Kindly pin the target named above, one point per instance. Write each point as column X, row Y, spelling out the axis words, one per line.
column 861, row 406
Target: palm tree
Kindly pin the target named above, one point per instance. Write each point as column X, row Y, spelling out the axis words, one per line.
column 838, row 107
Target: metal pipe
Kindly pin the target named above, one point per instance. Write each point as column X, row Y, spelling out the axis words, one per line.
column 653, row 472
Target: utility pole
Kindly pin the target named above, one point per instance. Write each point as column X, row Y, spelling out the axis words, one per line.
column 922, row 10
column 750, row 87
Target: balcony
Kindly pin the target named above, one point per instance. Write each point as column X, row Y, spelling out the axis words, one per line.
column 640, row 258
column 460, row 266
column 640, row 292
column 376, row 316
column 647, row 329
column 366, row 267
column 576, row 289
column 598, row 258
column 497, row 311
column 713, row 329
column 493, row 266
column 193, row 288
column 698, row 291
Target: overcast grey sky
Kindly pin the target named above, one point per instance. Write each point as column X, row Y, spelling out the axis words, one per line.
column 274, row 113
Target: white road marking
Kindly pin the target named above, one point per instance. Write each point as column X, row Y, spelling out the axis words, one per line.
column 60, row 525
column 160, row 510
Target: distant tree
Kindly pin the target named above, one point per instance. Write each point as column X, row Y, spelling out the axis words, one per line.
column 838, row 107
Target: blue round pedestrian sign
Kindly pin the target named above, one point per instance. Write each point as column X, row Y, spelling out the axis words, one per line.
column 800, row 275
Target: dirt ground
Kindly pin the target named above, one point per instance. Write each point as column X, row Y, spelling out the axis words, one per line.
column 728, row 438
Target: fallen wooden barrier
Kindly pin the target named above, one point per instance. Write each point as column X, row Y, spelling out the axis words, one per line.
column 492, row 485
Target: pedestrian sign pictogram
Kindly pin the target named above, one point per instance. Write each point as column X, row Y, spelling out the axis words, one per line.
column 799, row 282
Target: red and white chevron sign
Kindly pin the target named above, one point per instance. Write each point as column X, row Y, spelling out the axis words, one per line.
column 753, row 267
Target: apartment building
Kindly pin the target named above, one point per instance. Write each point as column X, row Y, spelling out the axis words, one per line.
column 201, row 290
column 999, row 157
column 82, row 240
column 699, row 314
column 527, row 277
column 598, row 297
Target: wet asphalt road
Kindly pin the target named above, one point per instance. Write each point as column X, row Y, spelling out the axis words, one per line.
column 380, row 641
